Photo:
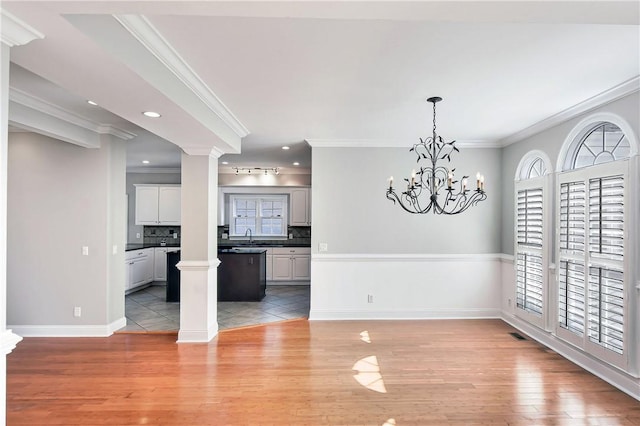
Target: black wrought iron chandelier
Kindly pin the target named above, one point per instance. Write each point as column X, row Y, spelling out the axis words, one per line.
column 434, row 187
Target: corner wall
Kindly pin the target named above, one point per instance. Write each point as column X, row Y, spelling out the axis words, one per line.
column 61, row 198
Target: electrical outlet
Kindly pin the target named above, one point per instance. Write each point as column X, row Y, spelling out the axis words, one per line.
column 85, row 250
column 114, row 249
column 137, row 235
column 77, row 311
column 175, row 235
column 291, row 236
column 370, row 298
column 323, row 247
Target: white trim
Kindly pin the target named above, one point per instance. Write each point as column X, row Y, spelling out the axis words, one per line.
column 431, row 314
column 70, row 330
column 153, row 169
column 8, row 341
column 142, row 29
column 391, row 143
column 610, row 374
column 198, row 265
column 40, row 105
column 624, row 89
column 197, row 336
column 16, row 32
column 585, row 123
column 420, row 257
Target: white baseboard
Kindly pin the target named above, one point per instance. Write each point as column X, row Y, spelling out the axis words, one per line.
column 8, row 341
column 69, row 330
column 610, row 374
column 327, row 315
column 197, row 336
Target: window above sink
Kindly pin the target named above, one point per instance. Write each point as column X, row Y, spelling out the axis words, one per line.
column 255, row 215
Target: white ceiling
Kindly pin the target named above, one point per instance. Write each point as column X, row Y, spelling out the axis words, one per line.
column 287, row 72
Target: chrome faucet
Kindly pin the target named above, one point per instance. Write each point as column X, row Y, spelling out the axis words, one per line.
column 250, row 235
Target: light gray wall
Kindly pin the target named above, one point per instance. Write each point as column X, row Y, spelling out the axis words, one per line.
column 141, row 178
column 61, row 198
column 352, row 215
column 550, row 141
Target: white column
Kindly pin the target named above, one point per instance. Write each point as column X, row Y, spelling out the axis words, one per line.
column 14, row 33
column 199, row 247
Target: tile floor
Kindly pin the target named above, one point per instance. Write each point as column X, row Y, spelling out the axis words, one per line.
column 146, row 309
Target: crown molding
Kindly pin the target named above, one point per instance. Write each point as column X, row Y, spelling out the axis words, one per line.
column 49, row 109
column 620, row 91
column 142, row 29
column 391, row 143
column 164, row 170
column 16, row 32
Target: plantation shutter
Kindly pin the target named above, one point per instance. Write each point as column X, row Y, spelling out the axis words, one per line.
column 529, row 283
column 606, row 217
column 606, row 308
column 591, row 301
column 529, row 219
column 530, row 270
column 571, row 311
column 572, row 216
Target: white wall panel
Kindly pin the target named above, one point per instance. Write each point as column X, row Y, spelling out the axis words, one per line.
column 405, row 286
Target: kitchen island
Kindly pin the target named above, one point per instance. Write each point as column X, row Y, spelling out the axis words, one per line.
column 242, row 274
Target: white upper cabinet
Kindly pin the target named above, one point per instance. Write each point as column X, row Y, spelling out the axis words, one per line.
column 158, row 205
column 169, row 205
column 300, row 207
column 146, row 205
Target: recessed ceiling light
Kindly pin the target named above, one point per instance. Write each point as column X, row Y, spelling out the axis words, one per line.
column 145, row 161
column 285, row 147
column 225, row 162
column 152, row 114
column 90, row 102
column 296, row 163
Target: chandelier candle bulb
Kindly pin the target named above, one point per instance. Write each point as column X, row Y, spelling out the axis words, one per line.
column 449, row 180
column 390, row 183
column 413, row 178
column 464, row 184
column 482, row 182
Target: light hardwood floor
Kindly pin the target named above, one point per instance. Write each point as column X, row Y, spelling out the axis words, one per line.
column 310, row 373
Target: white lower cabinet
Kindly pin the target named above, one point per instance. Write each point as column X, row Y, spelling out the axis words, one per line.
column 291, row 264
column 139, row 268
column 160, row 264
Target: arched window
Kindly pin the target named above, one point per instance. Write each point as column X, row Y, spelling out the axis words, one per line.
column 593, row 287
column 531, row 242
column 596, row 143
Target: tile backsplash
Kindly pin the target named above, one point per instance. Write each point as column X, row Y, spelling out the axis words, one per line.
column 301, row 235
column 156, row 234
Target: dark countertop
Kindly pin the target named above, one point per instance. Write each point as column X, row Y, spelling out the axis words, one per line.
column 254, row 250
column 140, row 246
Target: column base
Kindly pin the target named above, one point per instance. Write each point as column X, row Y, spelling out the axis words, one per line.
column 198, row 300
